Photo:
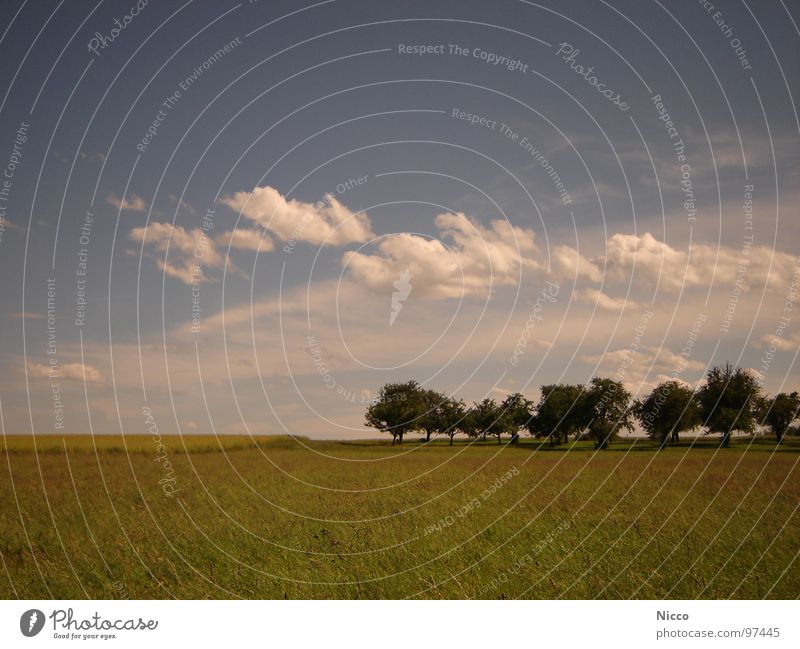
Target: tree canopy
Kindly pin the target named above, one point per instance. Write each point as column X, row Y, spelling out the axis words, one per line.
column 668, row 410
column 559, row 413
column 779, row 413
column 729, row 401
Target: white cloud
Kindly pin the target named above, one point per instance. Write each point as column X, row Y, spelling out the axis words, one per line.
column 183, row 250
column 325, row 222
column 473, row 260
column 246, row 239
column 134, row 203
column 567, row 262
column 74, row 371
column 606, row 302
column 782, row 343
column 642, row 369
column 650, row 261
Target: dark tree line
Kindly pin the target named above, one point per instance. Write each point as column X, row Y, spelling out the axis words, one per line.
column 730, row 400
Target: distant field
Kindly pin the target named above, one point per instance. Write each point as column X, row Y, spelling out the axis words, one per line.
column 291, row 518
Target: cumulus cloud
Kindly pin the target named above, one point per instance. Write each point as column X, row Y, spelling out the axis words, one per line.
column 779, row 342
column 185, row 252
column 606, row 302
column 643, row 368
column 69, row 371
column 134, row 203
column 650, row 262
column 568, row 263
column 468, row 259
column 246, row 239
column 326, row 222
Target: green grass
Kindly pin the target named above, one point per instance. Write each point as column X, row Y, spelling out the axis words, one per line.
column 283, row 517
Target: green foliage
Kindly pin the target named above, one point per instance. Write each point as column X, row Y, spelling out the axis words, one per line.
column 668, row 410
column 443, row 415
column 606, row 408
column 560, row 413
column 517, row 413
column 779, row 413
column 398, row 410
column 729, row 401
column 488, row 418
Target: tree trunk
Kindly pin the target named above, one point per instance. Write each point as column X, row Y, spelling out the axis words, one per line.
column 451, row 440
column 400, row 435
column 675, row 438
column 484, row 436
column 515, row 438
column 726, row 438
column 566, row 438
column 427, row 436
column 498, row 440
column 778, row 436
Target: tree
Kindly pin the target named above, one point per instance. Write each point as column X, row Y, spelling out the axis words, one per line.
column 488, row 419
column 606, row 409
column 517, row 412
column 729, row 401
column 470, row 424
column 559, row 413
column 428, row 421
column 667, row 411
column 779, row 413
column 444, row 415
column 397, row 410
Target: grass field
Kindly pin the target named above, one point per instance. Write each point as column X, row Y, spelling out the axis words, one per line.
column 290, row 518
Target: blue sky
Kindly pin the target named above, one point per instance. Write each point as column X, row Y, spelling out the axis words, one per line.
column 308, row 159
